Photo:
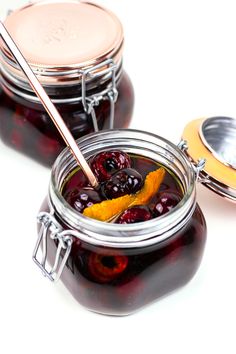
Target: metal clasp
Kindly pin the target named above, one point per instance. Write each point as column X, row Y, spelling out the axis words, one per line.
column 51, row 228
column 111, row 93
column 183, row 145
column 199, row 166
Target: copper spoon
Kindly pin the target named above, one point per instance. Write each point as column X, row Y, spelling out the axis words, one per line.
column 48, row 105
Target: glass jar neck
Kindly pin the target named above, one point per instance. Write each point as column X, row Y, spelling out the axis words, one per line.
column 77, row 85
column 133, row 235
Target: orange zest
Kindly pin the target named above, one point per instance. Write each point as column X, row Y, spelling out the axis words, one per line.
column 108, row 209
column 151, row 185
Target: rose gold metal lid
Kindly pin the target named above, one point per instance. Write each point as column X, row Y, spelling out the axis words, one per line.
column 60, row 38
column 215, row 140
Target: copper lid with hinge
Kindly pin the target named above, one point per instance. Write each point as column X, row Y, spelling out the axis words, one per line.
column 62, row 38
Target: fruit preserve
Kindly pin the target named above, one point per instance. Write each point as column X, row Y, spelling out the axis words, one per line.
column 140, row 236
column 161, row 190
column 76, row 53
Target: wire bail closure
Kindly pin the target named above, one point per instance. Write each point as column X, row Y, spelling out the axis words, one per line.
column 51, row 228
column 111, row 94
column 199, row 166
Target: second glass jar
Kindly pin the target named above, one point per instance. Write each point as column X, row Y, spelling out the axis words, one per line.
column 85, row 81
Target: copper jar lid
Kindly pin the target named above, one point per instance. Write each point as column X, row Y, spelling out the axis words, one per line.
column 214, row 139
column 62, row 38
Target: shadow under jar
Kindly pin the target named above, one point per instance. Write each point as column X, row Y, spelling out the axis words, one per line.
column 75, row 49
column 117, row 269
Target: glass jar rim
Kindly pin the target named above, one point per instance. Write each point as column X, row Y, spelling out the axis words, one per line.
column 132, row 235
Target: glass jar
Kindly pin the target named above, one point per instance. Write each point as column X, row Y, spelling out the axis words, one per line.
column 75, row 49
column 117, row 269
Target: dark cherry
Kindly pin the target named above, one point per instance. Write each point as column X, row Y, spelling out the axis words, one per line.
column 135, row 214
column 106, row 267
column 83, row 198
column 105, row 164
column 165, row 202
column 126, row 181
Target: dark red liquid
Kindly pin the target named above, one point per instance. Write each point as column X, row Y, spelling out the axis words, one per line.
column 120, row 281
column 76, row 181
column 26, row 126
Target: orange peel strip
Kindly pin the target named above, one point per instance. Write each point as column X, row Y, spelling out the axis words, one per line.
column 151, row 185
column 108, row 209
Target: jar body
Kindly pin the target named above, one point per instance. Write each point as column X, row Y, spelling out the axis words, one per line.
column 26, row 126
column 150, row 272
column 117, row 269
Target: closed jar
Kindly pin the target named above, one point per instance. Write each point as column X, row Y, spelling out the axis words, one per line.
column 75, row 49
column 118, row 269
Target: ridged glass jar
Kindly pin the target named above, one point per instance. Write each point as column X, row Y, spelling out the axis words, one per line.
column 76, row 53
column 153, row 257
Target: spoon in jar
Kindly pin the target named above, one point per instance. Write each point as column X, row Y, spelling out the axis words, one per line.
column 48, row 105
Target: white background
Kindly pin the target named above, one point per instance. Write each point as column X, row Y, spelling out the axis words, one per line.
column 182, row 60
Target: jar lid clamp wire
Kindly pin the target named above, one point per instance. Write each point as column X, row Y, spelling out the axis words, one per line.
column 49, row 226
column 112, row 94
column 213, row 139
column 199, row 166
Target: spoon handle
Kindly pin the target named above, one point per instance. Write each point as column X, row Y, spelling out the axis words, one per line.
column 48, row 105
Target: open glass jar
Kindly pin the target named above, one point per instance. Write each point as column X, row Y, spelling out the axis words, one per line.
column 75, row 49
column 117, row 269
